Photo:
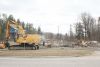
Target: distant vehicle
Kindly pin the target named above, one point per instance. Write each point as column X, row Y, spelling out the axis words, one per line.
column 48, row 43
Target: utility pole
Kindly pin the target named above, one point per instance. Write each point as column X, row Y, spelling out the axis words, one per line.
column 70, row 32
column 58, row 35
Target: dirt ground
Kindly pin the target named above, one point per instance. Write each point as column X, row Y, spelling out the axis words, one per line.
column 60, row 51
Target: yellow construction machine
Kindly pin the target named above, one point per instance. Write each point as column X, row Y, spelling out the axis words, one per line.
column 20, row 37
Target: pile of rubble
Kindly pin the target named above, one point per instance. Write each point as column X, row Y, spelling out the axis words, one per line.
column 85, row 44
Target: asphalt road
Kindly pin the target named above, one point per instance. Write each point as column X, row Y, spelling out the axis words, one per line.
column 50, row 62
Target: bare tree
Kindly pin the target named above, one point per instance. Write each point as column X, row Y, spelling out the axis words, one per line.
column 87, row 21
column 98, row 32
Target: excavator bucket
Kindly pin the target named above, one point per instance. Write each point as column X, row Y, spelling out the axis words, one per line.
column 2, row 45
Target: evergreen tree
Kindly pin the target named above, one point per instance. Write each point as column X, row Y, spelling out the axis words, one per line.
column 39, row 30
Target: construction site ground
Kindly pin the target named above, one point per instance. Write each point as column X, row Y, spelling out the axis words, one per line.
column 50, row 52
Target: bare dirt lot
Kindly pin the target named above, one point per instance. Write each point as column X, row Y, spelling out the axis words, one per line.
column 60, row 51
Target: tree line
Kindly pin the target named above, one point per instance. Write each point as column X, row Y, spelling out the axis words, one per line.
column 87, row 28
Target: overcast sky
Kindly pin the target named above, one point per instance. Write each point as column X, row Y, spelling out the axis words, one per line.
column 49, row 14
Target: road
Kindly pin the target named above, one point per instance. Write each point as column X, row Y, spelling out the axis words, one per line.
column 50, row 62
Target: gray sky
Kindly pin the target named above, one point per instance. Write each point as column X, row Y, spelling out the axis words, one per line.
column 49, row 14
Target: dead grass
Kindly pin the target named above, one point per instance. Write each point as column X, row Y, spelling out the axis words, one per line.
column 46, row 52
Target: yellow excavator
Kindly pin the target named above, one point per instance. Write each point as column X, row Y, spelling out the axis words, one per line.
column 20, row 37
